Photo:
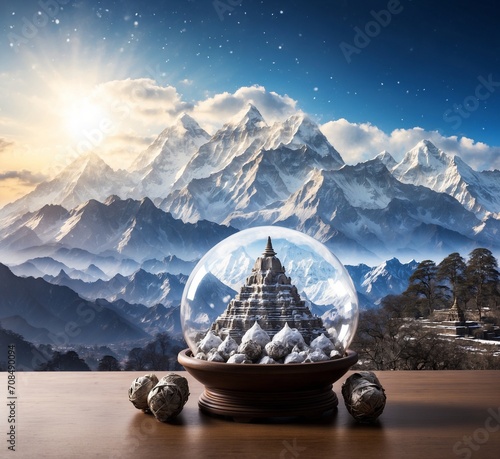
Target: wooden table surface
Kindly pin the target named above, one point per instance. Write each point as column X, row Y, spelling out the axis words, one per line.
column 442, row 414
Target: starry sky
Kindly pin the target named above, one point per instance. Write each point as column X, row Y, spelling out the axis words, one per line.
column 376, row 75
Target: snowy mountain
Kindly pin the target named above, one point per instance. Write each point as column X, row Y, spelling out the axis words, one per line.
column 373, row 210
column 298, row 131
column 88, row 177
column 213, row 298
column 264, row 167
column 165, row 287
column 170, row 264
column 94, row 232
column 386, row 158
column 138, row 288
column 250, row 173
column 157, row 167
column 120, row 229
column 388, row 278
column 244, row 133
column 431, row 167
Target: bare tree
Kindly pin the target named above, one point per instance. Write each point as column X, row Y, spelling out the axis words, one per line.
column 384, row 342
column 109, row 363
column 136, row 360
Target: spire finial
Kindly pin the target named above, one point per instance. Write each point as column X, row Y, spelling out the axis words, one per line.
column 269, row 251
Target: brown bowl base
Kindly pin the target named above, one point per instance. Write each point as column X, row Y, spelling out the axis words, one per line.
column 254, row 392
column 251, row 406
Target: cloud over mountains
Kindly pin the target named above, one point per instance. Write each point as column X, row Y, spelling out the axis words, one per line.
column 362, row 141
column 119, row 118
column 143, row 103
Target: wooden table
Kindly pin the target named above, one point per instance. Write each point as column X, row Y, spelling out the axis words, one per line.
column 442, row 414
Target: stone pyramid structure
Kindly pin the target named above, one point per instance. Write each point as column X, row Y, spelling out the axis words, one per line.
column 269, row 298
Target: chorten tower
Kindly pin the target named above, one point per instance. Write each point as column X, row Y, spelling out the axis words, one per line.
column 269, row 298
column 456, row 314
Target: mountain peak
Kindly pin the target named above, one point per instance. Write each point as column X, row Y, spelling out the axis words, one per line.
column 191, row 126
column 300, row 130
column 426, row 152
column 392, row 262
column 387, row 159
column 89, row 163
column 249, row 116
column 51, row 210
column 424, row 156
column 111, row 199
column 187, row 119
column 427, row 144
column 90, row 158
column 302, row 123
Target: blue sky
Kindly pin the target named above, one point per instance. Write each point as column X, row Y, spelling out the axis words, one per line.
column 384, row 68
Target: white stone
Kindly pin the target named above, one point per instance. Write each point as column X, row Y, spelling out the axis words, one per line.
column 295, row 357
column 323, row 343
column 276, row 350
column 316, row 356
column 257, row 334
column 290, row 337
column 210, row 341
column 228, row 346
column 238, row 358
column 266, row 360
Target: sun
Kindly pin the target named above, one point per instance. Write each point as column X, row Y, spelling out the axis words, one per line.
column 83, row 116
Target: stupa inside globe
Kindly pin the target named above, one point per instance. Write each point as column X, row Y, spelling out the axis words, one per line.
column 293, row 355
column 268, row 322
column 269, row 298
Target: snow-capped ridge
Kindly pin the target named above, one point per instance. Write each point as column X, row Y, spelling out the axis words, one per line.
column 428, row 166
column 425, row 156
column 249, row 117
column 157, row 168
column 387, row 159
column 300, row 130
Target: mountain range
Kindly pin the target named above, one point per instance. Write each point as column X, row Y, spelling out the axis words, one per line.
column 250, row 173
column 114, row 229
column 63, row 311
column 53, row 314
column 127, row 239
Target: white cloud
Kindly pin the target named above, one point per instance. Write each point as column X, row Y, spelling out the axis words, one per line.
column 360, row 142
column 141, row 100
column 137, row 110
column 143, row 108
column 214, row 111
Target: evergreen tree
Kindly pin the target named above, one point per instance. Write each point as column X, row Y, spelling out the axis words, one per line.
column 482, row 277
column 400, row 306
column 109, row 363
column 422, row 287
column 451, row 275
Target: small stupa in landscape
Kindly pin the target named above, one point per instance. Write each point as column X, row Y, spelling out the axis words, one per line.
column 456, row 314
column 269, row 298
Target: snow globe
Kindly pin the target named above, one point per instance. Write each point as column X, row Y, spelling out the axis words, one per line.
column 268, row 315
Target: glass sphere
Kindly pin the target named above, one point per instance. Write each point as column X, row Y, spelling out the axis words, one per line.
column 244, row 262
